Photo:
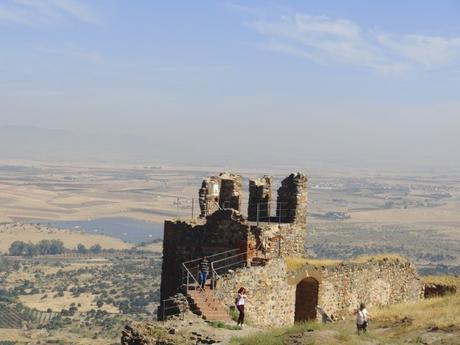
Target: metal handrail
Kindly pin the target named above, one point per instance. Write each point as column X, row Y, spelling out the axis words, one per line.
column 189, row 274
column 214, row 269
column 211, row 256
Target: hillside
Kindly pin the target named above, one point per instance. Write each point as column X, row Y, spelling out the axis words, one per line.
column 34, row 233
column 432, row 321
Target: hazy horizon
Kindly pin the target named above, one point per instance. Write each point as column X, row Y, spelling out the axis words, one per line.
column 232, row 83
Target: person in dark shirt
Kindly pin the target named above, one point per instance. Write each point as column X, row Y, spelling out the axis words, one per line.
column 203, row 271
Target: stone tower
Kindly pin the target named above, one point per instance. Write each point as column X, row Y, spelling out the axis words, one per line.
column 260, row 196
column 292, row 199
column 230, row 191
column 220, row 192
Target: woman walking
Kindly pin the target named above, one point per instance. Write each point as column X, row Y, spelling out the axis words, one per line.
column 240, row 301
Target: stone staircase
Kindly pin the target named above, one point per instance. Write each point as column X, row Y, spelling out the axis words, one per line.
column 205, row 303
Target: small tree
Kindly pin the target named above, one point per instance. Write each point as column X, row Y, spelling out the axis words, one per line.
column 18, row 248
column 96, row 249
column 82, row 249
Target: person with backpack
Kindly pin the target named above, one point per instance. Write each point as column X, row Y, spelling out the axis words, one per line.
column 240, row 301
column 362, row 319
column 203, row 272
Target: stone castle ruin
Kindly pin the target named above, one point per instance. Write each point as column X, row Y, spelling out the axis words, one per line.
column 252, row 251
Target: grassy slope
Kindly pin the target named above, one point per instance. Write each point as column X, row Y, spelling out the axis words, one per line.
column 436, row 318
column 295, row 263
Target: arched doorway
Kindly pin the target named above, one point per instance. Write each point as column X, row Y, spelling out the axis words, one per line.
column 306, row 299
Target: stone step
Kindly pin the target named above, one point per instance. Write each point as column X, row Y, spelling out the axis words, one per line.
column 206, row 305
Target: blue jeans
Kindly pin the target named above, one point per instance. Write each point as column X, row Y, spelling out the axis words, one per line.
column 202, row 276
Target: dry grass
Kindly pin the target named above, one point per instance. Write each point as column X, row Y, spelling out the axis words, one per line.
column 8, row 334
column 441, row 312
column 442, row 280
column 295, row 263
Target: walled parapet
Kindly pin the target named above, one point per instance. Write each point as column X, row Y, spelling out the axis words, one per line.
column 260, row 195
column 209, row 195
column 292, row 199
column 230, row 191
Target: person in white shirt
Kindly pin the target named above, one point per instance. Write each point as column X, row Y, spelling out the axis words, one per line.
column 240, row 301
column 362, row 318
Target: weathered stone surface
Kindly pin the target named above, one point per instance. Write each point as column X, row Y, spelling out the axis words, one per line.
column 272, row 294
column 292, row 199
column 260, row 196
column 230, row 191
column 271, row 288
column 183, row 241
column 281, row 239
column 209, row 195
column 271, row 301
column 375, row 283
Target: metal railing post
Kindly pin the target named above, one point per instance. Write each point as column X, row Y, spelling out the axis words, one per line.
column 188, row 283
column 193, row 208
column 177, row 204
column 258, row 210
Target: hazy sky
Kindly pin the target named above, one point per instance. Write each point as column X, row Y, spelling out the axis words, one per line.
column 235, row 81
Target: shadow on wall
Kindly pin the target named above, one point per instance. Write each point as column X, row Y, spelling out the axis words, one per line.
column 306, row 300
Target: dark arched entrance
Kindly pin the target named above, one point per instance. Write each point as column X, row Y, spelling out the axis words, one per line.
column 306, row 299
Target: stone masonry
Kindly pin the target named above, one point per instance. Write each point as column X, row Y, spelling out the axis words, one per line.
column 219, row 192
column 292, row 199
column 230, row 190
column 271, row 300
column 222, row 228
column 260, row 196
column 272, row 288
column 277, row 296
column 376, row 283
column 209, row 195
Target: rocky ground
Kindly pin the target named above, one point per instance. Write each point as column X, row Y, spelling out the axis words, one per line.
column 188, row 329
column 192, row 330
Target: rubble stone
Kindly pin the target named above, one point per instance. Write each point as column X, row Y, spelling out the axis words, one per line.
column 260, row 196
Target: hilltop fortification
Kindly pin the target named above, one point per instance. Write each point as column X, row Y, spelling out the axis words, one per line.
column 249, row 239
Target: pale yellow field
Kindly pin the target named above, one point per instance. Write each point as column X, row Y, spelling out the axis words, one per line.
column 56, row 192
column 58, row 303
column 35, row 233
column 447, row 215
column 9, row 334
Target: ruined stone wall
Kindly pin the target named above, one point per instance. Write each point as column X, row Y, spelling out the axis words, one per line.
column 209, row 196
column 183, row 241
column 260, row 195
column 271, row 301
column 281, row 239
column 230, row 191
column 272, row 289
column 377, row 282
column 292, row 199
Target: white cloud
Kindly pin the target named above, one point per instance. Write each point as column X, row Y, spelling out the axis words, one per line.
column 46, row 12
column 324, row 39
